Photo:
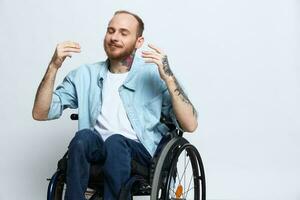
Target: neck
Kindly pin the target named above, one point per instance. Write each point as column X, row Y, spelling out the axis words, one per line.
column 121, row 66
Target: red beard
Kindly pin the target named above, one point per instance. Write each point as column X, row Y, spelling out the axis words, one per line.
column 117, row 52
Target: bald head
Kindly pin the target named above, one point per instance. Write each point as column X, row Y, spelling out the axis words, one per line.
column 140, row 23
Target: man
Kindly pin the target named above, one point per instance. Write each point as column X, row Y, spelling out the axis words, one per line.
column 120, row 102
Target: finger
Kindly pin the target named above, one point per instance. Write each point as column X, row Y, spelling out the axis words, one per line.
column 150, row 60
column 71, row 44
column 66, row 49
column 67, row 54
column 71, row 49
column 62, row 47
column 150, row 52
column 156, row 57
column 155, row 48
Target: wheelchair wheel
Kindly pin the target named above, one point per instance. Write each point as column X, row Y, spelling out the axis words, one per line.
column 179, row 173
column 57, row 188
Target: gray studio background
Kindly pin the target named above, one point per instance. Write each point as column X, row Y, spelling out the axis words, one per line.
column 238, row 60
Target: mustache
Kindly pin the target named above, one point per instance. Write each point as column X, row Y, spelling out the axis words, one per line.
column 114, row 44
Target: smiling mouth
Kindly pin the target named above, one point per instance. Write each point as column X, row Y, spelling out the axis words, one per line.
column 115, row 46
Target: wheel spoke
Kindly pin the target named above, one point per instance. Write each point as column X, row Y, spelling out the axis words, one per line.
column 184, row 170
column 185, row 192
column 188, row 191
column 172, row 191
column 185, row 154
column 177, row 175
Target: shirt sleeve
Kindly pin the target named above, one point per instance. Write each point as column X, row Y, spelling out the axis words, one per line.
column 63, row 97
column 167, row 109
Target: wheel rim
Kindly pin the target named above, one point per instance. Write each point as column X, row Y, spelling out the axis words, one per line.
column 162, row 167
column 60, row 189
column 185, row 175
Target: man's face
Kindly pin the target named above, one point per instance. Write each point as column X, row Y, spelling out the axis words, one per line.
column 121, row 37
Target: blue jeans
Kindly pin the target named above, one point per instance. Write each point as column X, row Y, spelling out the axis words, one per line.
column 115, row 155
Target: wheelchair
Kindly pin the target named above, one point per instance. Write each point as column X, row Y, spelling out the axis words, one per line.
column 176, row 173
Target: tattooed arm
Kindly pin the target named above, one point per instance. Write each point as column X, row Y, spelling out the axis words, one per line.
column 183, row 108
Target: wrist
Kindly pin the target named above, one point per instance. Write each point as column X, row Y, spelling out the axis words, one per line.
column 54, row 67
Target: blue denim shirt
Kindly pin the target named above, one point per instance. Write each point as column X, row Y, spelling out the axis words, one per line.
column 143, row 93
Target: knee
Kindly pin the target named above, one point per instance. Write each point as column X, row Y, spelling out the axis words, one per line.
column 79, row 140
column 114, row 142
column 118, row 155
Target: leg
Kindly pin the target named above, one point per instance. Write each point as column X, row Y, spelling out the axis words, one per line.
column 87, row 146
column 117, row 167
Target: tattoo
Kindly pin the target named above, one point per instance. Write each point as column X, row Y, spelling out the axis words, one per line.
column 166, row 66
column 184, row 97
column 178, row 89
column 128, row 60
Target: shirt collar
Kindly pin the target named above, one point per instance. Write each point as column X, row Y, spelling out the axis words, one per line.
column 131, row 80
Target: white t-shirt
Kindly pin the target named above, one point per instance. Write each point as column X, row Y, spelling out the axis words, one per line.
column 113, row 118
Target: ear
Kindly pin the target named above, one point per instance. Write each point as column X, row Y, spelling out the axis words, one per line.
column 139, row 42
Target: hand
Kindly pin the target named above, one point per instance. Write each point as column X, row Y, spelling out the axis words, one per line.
column 160, row 59
column 63, row 50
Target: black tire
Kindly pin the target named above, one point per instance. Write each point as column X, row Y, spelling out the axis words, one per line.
column 167, row 168
column 57, row 188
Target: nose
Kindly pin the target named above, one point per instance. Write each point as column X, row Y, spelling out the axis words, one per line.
column 115, row 37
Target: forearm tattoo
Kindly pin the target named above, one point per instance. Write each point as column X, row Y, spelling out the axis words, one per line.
column 184, row 97
column 166, row 66
column 178, row 90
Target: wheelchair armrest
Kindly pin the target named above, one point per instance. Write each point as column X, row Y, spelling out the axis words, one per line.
column 173, row 130
column 169, row 124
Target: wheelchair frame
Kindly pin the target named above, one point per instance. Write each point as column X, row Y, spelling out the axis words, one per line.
column 154, row 181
